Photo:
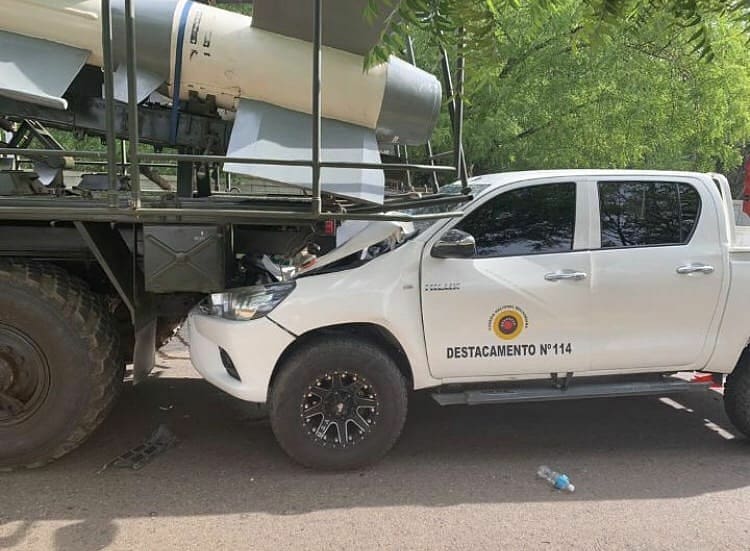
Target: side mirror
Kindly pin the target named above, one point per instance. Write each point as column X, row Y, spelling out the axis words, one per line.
column 455, row 244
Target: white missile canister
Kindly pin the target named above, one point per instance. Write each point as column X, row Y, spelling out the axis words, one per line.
column 185, row 48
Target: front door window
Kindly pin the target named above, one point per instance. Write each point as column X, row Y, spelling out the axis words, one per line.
column 530, row 220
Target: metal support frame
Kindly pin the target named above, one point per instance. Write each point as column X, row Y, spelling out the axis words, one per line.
column 109, row 94
column 88, row 115
column 317, row 205
column 185, row 171
column 458, row 119
column 135, row 173
column 428, row 146
column 20, row 209
column 455, row 109
column 120, row 265
column 155, row 157
column 31, row 129
column 203, row 180
column 115, row 258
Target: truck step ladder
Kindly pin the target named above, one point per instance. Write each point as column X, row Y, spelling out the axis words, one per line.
column 543, row 391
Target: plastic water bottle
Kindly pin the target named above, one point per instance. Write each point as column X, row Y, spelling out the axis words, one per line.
column 559, row 481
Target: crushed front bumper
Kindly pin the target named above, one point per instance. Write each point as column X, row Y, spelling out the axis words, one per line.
column 251, row 350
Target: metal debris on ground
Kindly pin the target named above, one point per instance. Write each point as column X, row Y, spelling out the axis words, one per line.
column 137, row 458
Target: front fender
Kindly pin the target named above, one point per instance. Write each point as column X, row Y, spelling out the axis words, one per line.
column 384, row 292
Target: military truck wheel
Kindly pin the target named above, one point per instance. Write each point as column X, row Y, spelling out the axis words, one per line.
column 60, row 369
column 737, row 395
column 338, row 404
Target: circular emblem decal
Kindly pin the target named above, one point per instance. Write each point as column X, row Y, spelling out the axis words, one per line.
column 508, row 323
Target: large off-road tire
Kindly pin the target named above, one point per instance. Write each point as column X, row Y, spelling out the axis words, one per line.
column 737, row 395
column 338, row 403
column 60, row 367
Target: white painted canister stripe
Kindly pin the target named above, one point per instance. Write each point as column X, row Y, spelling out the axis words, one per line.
column 225, row 56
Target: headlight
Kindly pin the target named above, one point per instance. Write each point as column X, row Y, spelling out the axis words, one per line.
column 248, row 303
column 387, row 245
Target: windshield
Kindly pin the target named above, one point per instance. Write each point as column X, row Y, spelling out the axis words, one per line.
column 448, row 189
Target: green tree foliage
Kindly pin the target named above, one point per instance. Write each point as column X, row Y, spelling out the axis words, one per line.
column 641, row 98
column 479, row 18
column 246, row 9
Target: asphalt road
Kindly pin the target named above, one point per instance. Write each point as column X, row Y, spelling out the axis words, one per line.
column 650, row 474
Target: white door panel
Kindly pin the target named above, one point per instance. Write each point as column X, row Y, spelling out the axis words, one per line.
column 463, row 324
column 647, row 315
column 521, row 305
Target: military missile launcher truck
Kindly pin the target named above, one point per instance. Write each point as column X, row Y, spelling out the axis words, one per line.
column 98, row 266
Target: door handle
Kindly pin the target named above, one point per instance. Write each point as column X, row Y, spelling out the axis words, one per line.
column 565, row 274
column 695, row 268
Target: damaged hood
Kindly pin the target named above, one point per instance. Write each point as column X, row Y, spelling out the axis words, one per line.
column 358, row 236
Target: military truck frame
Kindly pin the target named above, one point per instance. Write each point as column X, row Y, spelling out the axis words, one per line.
column 99, row 278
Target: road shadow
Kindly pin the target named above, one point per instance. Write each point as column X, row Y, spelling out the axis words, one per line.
column 228, row 462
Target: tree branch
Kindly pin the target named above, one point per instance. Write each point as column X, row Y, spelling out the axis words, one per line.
column 535, row 129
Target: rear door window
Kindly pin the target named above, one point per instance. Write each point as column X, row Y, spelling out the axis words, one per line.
column 643, row 214
column 538, row 219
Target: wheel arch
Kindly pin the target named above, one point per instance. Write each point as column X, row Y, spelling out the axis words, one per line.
column 369, row 332
column 737, row 394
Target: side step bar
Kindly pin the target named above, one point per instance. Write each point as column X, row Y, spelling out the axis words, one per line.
column 575, row 392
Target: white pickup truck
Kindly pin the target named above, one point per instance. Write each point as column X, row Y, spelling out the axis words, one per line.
column 552, row 285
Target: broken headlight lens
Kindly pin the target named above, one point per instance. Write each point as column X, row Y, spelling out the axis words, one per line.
column 387, row 245
column 247, row 303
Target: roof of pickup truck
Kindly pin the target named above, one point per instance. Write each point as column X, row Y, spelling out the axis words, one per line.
column 492, row 181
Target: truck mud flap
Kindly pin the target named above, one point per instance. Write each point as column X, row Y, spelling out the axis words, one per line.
column 144, row 352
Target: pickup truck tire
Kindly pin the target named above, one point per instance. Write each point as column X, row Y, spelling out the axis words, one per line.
column 60, row 367
column 338, row 403
column 737, row 395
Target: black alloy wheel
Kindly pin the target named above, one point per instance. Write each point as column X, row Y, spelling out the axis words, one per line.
column 338, row 402
column 339, row 409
